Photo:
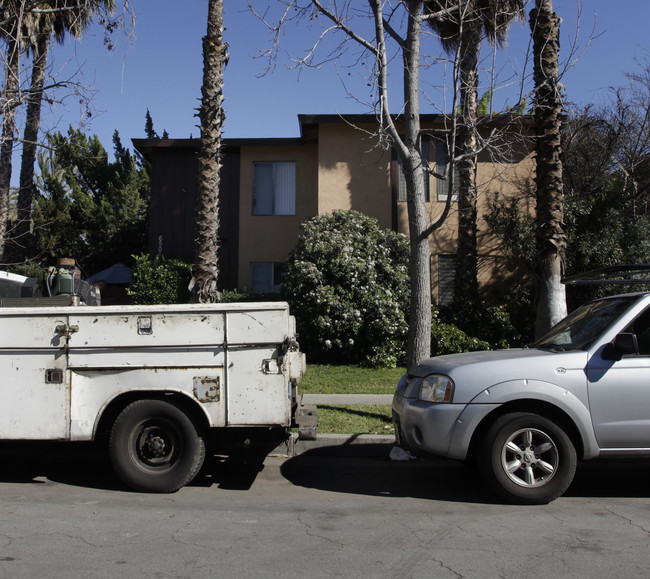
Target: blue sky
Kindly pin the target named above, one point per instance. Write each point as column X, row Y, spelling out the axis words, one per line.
column 160, row 69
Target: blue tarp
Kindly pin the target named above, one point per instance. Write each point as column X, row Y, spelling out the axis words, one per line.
column 118, row 274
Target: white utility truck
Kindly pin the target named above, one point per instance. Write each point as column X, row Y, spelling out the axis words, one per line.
column 156, row 379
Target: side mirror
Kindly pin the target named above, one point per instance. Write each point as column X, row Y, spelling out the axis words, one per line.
column 625, row 344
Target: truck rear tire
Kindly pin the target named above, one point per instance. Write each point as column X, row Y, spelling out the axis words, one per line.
column 155, row 447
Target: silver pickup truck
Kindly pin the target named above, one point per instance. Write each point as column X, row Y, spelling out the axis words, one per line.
column 525, row 417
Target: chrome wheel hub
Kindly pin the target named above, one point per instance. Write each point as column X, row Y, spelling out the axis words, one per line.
column 529, row 457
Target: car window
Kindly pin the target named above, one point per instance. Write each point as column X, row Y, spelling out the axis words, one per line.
column 580, row 329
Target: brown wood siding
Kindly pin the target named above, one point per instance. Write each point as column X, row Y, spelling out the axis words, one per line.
column 229, row 219
column 173, row 194
column 172, row 207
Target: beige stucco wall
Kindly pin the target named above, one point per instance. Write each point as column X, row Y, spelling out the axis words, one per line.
column 349, row 161
column 274, row 235
column 492, row 178
column 344, row 169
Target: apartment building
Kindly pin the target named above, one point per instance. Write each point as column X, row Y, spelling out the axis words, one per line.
column 271, row 186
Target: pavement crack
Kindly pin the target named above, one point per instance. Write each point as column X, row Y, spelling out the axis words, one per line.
column 629, row 521
column 312, row 533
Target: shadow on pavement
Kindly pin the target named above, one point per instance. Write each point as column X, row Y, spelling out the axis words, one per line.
column 78, row 464
column 612, row 478
column 369, row 471
column 88, row 465
column 363, row 469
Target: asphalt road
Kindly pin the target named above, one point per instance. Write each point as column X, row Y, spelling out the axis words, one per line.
column 330, row 512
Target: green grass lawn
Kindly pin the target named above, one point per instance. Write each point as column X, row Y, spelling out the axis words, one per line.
column 349, row 380
column 374, row 419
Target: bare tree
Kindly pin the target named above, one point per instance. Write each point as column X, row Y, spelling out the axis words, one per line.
column 204, row 281
column 551, row 234
column 10, row 25
column 380, row 36
column 390, row 36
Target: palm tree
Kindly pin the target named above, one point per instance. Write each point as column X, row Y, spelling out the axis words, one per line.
column 9, row 31
column 461, row 24
column 211, row 114
column 71, row 16
column 547, row 111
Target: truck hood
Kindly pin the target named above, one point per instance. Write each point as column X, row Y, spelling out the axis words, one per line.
column 475, row 371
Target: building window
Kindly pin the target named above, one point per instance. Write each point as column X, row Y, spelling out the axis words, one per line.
column 446, row 279
column 442, row 168
column 274, row 188
column 266, row 278
column 401, row 181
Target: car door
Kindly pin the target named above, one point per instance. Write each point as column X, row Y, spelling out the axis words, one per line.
column 34, row 389
column 619, row 393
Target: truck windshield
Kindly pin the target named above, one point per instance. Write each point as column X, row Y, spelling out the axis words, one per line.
column 580, row 329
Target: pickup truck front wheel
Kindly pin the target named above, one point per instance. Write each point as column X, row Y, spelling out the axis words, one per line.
column 527, row 459
column 155, row 447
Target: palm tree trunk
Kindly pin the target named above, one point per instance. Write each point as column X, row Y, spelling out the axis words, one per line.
column 211, row 114
column 9, row 104
column 20, row 244
column 551, row 234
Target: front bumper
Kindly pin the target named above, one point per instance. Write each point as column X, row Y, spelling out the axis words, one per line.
column 438, row 429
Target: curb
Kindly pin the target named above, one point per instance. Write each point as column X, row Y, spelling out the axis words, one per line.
column 359, row 444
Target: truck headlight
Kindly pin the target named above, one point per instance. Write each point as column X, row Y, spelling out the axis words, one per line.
column 437, row 388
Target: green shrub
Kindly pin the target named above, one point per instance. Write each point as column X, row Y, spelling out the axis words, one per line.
column 448, row 339
column 492, row 323
column 157, row 280
column 238, row 296
column 30, row 269
column 347, row 282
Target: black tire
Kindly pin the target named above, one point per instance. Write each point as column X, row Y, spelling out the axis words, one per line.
column 155, row 447
column 527, row 459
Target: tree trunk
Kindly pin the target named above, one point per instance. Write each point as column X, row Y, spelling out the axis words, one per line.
column 466, row 284
column 419, row 337
column 19, row 248
column 9, row 105
column 408, row 145
column 211, row 114
column 551, row 234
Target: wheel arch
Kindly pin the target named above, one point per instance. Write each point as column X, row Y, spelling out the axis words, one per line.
column 111, row 411
column 534, row 406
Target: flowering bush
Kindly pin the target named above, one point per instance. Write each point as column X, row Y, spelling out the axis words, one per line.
column 347, row 283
